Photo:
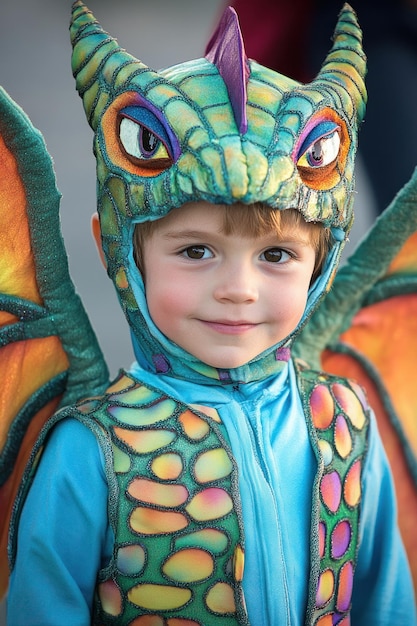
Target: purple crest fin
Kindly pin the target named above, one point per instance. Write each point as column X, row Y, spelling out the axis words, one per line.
column 227, row 52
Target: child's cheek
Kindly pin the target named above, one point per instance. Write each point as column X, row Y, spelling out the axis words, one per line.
column 167, row 306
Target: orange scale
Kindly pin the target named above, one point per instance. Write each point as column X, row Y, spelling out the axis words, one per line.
column 143, row 416
column 344, row 592
column 121, row 384
column 167, row 466
column 326, row 620
column 207, row 410
column 110, row 598
column 212, row 465
column 212, row 503
column 158, row 597
column 238, row 563
column 325, row 588
column 342, row 437
column 331, row 490
column 137, row 395
column 152, row 522
column 153, row 492
column 210, row 538
column 121, row 278
column 189, row 565
column 193, row 426
column 352, row 487
column 220, row 599
column 322, row 407
column 144, row 441
column 350, row 404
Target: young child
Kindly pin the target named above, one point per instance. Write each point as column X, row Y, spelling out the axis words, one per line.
column 218, row 481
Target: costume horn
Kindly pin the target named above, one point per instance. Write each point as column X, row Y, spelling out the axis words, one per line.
column 100, row 66
column 345, row 64
column 227, row 51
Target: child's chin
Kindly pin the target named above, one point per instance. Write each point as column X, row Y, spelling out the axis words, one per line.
column 228, row 363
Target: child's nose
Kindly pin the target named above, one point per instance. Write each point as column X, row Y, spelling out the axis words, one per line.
column 236, row 284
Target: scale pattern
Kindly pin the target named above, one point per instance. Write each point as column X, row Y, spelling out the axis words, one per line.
column 339, row 418
column 175, row 507
column 179, row 544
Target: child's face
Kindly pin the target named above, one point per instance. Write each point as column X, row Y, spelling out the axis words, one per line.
column 224, row 298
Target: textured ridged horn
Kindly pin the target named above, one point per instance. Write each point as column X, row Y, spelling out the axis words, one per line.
column 100, row 66
column 227, row 51
column 345, row 64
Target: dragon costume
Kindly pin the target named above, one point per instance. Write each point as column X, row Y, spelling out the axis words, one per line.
column 171, row 432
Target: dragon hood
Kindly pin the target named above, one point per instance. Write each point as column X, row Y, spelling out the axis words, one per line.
column 221, row 129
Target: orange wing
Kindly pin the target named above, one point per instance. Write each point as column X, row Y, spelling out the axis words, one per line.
column 380, row 351
column 45, row 335
column 366, row 329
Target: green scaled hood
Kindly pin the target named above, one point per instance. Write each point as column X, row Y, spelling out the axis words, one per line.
column 222, row 129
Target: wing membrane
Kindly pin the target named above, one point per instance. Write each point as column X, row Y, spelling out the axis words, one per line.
column 49, row 355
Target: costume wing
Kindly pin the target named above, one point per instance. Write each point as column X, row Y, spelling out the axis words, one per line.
column 49, row 355
column 367, row 327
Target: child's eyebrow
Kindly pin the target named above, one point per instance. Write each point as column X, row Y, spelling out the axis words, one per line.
column 185, row 234
column 300, row 238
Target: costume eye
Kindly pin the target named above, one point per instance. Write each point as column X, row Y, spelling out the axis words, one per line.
column 322, row 150
column 197, row 252
column 139, row 141
column 275, row 255
column 144, row 138
column 319, row 151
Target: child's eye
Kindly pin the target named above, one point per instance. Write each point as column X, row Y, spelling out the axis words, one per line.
column 197, row 252
column 275, row 255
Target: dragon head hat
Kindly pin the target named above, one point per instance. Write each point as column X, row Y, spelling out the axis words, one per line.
column 221, row 129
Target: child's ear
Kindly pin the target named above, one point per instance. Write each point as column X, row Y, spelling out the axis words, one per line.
column 95, row 227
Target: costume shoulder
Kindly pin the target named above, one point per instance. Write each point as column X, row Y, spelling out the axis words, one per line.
column 366, row 329
column 49, row 356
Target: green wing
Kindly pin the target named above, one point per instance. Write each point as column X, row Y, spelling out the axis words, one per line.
column 49, row 355
column 366, row 329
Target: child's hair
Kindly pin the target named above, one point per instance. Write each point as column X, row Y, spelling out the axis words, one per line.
column 253, row 220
